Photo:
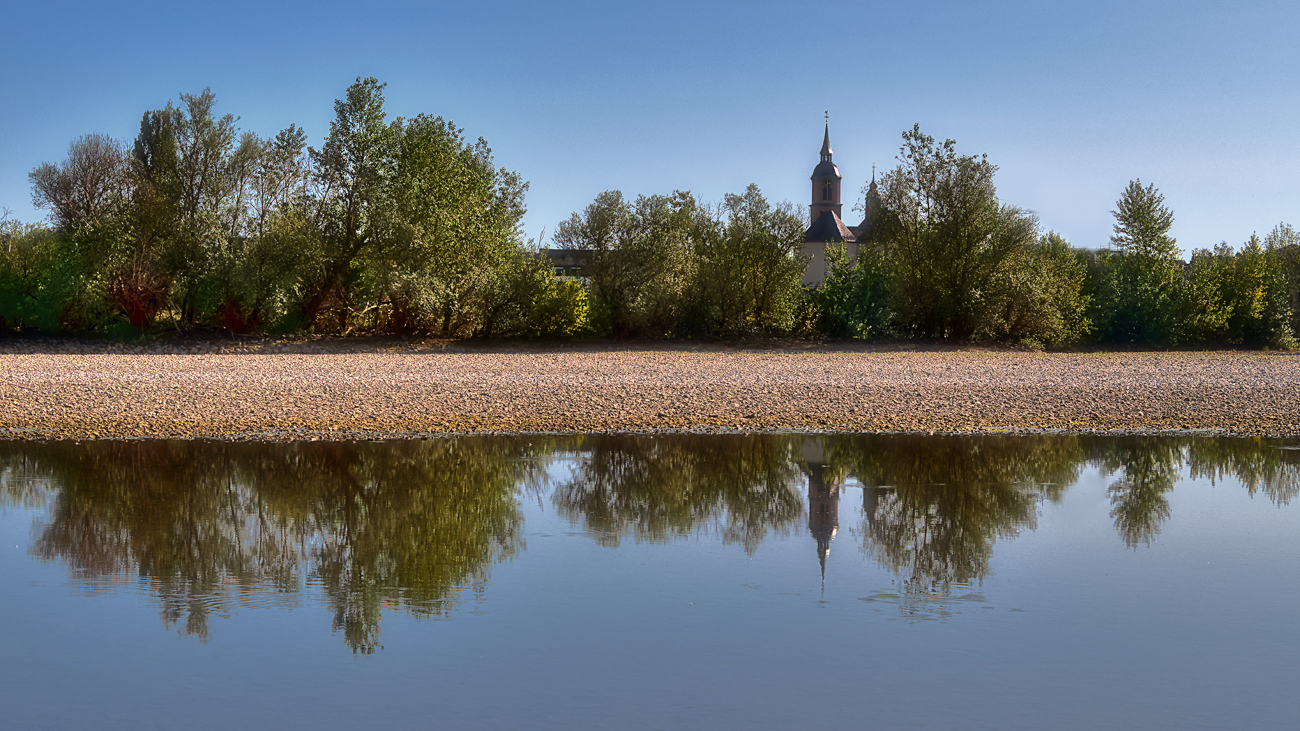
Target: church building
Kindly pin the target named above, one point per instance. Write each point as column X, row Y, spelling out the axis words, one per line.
column 828, row 228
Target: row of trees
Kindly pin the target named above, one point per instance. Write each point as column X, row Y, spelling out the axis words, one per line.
column 944, row 259
column 405, row 226
column 393, row 224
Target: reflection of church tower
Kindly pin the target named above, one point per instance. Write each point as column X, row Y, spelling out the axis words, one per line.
column 870, row 503
column 823, row 512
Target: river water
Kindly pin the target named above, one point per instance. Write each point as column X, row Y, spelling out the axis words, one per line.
column 782, row 581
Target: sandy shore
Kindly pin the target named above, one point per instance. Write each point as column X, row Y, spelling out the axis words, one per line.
column 374, row 390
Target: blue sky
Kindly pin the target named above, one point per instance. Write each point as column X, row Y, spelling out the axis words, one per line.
column 1070, row 100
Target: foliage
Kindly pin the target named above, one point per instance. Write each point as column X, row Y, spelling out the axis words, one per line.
column 560, row 310
column 946, row 237
column 853, row 302
column 640, row 259
column 1238, row 298
column 750, row 268
column 1147, row 291
column 1283, row 243
column 1037, row 297
column 407, row 226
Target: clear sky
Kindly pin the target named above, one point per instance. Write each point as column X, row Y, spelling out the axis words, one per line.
column 1070, row 100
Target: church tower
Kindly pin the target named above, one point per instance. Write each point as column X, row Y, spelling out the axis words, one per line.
column 864, row 232
column 826, row 181
column 827, row 227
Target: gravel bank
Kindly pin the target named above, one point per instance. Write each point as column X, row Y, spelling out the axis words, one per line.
column 350, row 390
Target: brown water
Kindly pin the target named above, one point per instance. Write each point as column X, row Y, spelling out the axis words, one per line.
column 685, row 582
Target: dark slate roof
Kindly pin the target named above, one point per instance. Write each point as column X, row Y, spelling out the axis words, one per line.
column 567, row 257
column 828, row 227
column 826, row 169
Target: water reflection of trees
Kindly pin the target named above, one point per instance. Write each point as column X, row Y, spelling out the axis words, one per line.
column 657, row 488
column 1261, row 465
column 934, row 506
column 1148, row 467
column 416, row 525
column 409, row 525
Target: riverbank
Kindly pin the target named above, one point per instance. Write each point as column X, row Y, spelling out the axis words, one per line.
column 369, row 390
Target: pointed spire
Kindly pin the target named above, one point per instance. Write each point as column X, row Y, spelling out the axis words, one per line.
column 826, row 140
column 821, row 557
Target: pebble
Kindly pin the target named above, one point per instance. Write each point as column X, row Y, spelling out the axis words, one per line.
column 286, row 389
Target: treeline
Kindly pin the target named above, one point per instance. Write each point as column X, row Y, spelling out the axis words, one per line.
column 397, row 225
column 944, row 258
column 404, row 226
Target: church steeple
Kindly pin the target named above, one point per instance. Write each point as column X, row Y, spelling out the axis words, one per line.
column 825, row 181
column 871, row 210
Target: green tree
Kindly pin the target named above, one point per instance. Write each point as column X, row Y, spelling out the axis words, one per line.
column 1283, row 243
column 352, row 205
column 27, row 260
column 456, row 265
column 640, row 259
column 853, row 302
column 750, row 267
column 946, row 236
column 1149, row 287
column 1038, row 296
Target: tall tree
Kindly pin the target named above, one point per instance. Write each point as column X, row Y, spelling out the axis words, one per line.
column 946, row 236
column 353, row 174
column 88, row 187
column 1149, row 290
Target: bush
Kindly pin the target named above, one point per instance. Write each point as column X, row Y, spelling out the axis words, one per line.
column 1038, row 296
column 560, row 310
column 853, row 302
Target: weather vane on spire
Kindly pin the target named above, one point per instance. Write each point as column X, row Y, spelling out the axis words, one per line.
column 828, row 116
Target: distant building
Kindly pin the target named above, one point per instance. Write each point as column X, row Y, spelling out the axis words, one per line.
column 828, row 228
column 567, row 263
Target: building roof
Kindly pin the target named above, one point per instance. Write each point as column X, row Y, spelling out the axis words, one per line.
column 829, row 227
column 826, row 168
column 567, row 257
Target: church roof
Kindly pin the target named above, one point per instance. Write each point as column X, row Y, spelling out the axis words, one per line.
column 826, row 168
column 828, row 227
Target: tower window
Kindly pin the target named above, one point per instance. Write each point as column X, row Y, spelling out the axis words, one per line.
column 826, row 191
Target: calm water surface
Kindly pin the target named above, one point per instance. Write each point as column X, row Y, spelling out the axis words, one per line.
column 686, row 582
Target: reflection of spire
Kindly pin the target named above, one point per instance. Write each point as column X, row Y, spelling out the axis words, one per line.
column 823, row 513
